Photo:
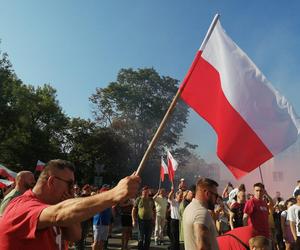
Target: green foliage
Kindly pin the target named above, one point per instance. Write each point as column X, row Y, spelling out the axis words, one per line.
column 134, row 106
column 31, row 121
column 89, row 146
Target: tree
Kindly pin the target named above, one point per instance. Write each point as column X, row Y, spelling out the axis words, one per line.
column 134, row 106
column 31, row 121
column 89, row 146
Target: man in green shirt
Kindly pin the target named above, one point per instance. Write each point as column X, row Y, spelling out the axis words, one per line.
column 143, row 212
column 161, row 204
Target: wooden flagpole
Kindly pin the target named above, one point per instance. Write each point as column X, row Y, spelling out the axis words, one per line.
column 261, row 177
column 159, row 185
column 172, row 106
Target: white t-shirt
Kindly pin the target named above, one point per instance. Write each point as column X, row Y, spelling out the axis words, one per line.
column 161, row 206
column 294, row 215
column 195, row 213
column 174, row 206
column 232, row 195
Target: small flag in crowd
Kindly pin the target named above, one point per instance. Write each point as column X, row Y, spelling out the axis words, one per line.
column 252, row 120
column 163, row 169
column 5, row 183
column 40, row 166
column 7, row 173
column 172, row 166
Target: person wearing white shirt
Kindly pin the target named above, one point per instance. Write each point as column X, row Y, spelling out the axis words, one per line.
column 174, row 206
column 198, row 226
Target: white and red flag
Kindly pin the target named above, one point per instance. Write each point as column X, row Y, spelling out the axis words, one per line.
column 252, row 120
column 5, row 183
column 163, row 169
column 40, row 166
column 172, row 166
column 7, row 173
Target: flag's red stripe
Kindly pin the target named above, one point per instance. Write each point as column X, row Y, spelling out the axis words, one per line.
column 6, row 174
column 40, row 168
column 162, row 174
column 171, row 170
column 238, row 146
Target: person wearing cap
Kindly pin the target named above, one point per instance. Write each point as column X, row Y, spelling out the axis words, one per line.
column 198, row 226
column 46, row 216
column 143, row 214
column 293, row 215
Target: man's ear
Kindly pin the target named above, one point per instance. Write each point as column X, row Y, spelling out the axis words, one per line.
column 50, row 182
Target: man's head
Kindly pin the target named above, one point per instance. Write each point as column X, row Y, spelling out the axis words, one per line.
column 145, row 191
column 179, row 195
column 24, row 181
column 259, row 190
column 242, row 187
column 56, row 181
column 189, row 196
column 206, row 191
column 162, row 192
column 297, row 196
column 241, row 197
column 259, row 243
column 290, row 202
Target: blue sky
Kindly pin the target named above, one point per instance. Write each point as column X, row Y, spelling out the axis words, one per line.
column 77, row 46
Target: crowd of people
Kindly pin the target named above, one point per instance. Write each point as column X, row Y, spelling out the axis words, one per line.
column 55, row 213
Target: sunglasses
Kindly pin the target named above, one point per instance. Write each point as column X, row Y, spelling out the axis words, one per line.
column 215, row 194
column 69, row 182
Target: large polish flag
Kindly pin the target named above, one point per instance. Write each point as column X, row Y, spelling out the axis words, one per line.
column 172, row 166
column 252, row 120
column 163, row 169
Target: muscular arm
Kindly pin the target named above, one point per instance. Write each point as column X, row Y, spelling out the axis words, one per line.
column 201, row 234
column 68, row 212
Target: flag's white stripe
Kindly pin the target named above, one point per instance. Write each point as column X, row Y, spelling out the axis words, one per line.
column 6, row 182
column 250, row 94
column 164, row 165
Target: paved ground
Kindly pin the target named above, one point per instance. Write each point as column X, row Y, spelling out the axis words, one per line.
column 114, row 242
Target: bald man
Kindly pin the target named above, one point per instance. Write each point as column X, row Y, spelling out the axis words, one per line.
column 24, row 181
